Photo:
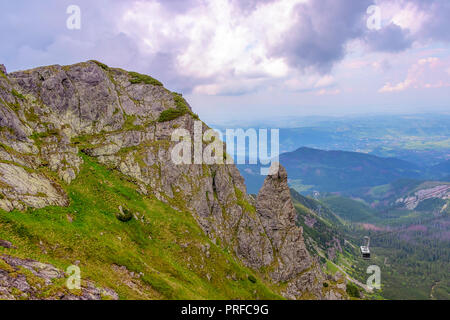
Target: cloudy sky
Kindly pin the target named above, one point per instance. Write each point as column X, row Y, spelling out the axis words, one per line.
column 249, row 59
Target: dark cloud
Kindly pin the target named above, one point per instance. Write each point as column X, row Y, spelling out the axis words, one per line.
column 179, row 6
column 437, row 28
column 247, row 6
column 28, row 23
column 321, row 31
column 391, row 38
column 324, row 27
column 34, row 33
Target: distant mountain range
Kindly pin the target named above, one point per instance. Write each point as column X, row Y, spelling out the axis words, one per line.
column 337, row 171
column 423, row 139
column 441, row 171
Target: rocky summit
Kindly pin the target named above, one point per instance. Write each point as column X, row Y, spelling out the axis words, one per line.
column 79, row 142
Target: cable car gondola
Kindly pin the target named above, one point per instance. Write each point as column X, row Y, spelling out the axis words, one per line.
column 365, row 250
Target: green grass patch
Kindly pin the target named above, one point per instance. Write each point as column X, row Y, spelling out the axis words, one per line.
column 137, row 78
column 43, row 135
column 352, row 290
column 331, row 267
column 18, row 95
column 171, row 114
column 181, row 108
column 163, row 244
column 242, row 202
column 101, row 65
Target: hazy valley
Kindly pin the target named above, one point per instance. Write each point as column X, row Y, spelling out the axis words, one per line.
column 402, row 205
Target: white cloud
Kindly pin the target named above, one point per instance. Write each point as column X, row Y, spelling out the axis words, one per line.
column 308, row 82
column 405, row 14
column 325, row 92
column 217, row 47
column 214, row 42
column 425, row 73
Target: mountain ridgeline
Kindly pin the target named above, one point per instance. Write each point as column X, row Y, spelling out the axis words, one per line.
column 86, row 179
column 337, row 171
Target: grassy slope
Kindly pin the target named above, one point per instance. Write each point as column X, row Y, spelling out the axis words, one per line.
column 350, row 210
column 325, row 229
column 166, row 247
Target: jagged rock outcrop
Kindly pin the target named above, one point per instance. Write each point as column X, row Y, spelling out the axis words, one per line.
column 291, row 261
column 24, row 188
column 412, row 201
column 49, row 115
column 30, row 279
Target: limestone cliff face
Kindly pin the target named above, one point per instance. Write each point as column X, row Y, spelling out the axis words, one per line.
column 49, row 115
column 293, row 264
column 412, row 201
column 14, row 276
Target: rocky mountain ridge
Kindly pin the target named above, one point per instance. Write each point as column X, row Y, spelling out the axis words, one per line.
column 49, row 116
